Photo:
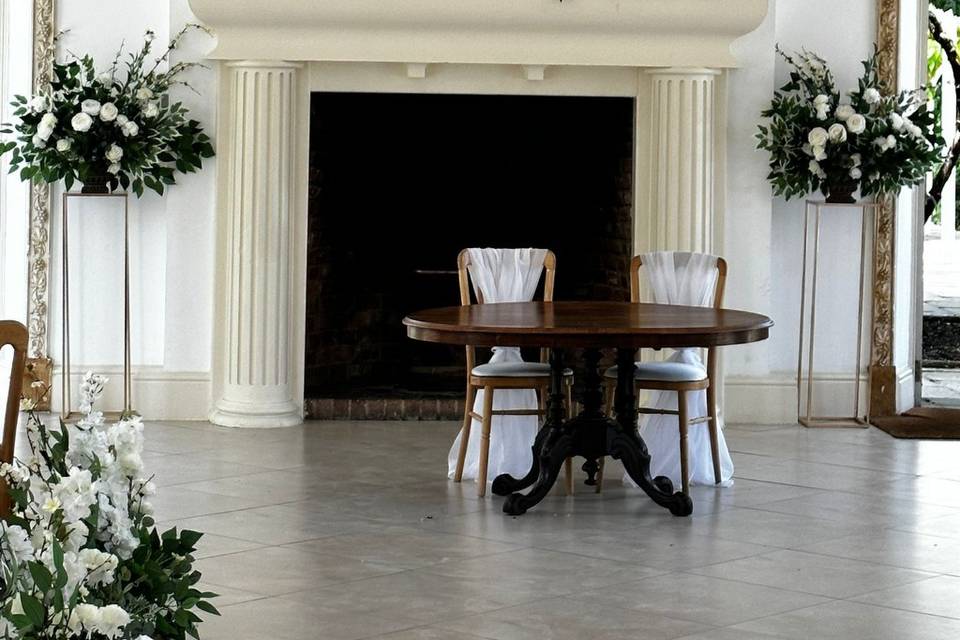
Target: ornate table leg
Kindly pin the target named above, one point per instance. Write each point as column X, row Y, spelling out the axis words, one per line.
column 626, row 445
column 550, row 450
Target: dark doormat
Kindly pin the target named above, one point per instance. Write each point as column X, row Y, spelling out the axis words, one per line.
column 935, row 423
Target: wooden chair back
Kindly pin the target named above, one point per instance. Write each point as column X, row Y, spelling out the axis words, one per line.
column 14, row 334
column 463, row 275
column 637, row 263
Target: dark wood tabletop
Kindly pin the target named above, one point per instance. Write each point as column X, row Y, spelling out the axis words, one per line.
column 586, row 324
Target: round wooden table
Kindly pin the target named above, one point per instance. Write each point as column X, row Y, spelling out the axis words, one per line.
column 624, row 326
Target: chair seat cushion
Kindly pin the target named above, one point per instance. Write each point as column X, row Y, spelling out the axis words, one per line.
column 515, row 370
column 664, row 371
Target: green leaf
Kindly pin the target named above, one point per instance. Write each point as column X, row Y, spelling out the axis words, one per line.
column 33, row 609
column 203, row 605
column 41, row 575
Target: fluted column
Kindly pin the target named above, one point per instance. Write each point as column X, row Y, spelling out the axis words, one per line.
column 676, row 196
column 256, row 386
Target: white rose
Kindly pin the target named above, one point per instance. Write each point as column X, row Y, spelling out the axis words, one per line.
column 151, row 110
column 38, row 104
column 891, row 142
column 38, row 141
column 856, row 123
column 63, row 145
column 871, row 96
column 114, row 153
column 108, row 112
column 844, row 111
column 819, row 153
column 105, row 78
column 113, row 168
column 855, row 173
column 130, row 129
column 143, row 94
column 81, row 122
column 45, row 128
column 817, row 137
column 837, row 133
column 896, row 121
column 90, row 107
column 122, row 119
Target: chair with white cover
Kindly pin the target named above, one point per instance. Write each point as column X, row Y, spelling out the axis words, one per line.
column 682, row 384
column 505, row 397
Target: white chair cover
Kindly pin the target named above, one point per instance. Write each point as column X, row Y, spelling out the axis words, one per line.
column 674, row 277
column 503, row 275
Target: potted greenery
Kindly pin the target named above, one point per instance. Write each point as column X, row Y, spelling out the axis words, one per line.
column 112, row 129
column 869, row 139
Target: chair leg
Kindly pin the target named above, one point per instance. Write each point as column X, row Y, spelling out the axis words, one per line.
column 568, row 464
column 609, row 388
column 714, row 431
column 465, row 432
column 485, row 441
column 682, row 411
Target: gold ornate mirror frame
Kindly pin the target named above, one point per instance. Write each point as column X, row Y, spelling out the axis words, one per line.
column 38, row 255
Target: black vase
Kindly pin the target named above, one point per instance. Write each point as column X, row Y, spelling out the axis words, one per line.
column 99, row 183
column 841, row 192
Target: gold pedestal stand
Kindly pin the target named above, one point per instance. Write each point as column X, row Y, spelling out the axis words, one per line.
column 868, row 222
column 66, row 411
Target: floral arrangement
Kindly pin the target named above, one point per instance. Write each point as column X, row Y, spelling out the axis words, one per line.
column 115, row 128
column 79, row 555
column 873, row 140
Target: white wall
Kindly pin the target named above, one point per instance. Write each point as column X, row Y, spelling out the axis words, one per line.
column 171, row 237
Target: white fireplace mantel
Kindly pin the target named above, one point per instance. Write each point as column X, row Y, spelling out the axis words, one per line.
column 633, row 33
column 666, row 54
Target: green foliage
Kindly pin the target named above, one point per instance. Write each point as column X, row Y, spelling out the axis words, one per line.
column 947, row 5
column 118, row 123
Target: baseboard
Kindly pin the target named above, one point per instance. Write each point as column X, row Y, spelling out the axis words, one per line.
column 906, row 390
column 772, row 399
column 157, row 394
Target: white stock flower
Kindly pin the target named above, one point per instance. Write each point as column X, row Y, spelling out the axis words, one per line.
column 81, row 122
column 844, row 111
column 108, row 112
column 143, row 94
column 871, row 96
column 818, row 137
column 112, row 620
column 856, row 123
column 99, row 565
column 114, row 153
column 855, row 173
column 837, row 133
column 105, row 78
column 84, row 617
column 896, row 121
column 151, row 110
column 91, row 387
column 90, row 107
column 63, row 145
column 815, row 169
column 113, row 168
column 822, row 106
column 16, row 544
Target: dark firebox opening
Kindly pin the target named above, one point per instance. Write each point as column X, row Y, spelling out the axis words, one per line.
column 399, row 184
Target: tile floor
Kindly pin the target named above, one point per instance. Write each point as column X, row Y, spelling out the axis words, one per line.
column 350, row 530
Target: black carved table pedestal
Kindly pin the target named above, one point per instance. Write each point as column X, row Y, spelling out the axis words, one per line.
column 592, row 435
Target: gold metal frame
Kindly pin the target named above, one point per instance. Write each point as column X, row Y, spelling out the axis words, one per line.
column 857, row 418
column 65, row 411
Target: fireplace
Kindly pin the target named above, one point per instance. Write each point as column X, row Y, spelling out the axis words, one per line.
column 400, row 183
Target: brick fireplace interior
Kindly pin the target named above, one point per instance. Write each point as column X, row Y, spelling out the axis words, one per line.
column 400, row 183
